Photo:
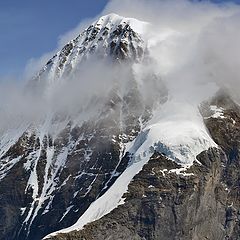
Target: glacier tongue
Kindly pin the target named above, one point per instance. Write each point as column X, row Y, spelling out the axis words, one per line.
column 176, row 130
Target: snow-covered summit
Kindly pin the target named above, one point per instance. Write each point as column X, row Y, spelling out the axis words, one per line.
column 113, row 19
column 110, row 36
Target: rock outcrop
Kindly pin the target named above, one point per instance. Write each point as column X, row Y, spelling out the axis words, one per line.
column 202, row 202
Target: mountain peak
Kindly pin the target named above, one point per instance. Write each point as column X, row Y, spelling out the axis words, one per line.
column 114, row 19
column 111, row 36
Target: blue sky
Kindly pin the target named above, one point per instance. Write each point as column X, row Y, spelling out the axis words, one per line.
column 30, row 28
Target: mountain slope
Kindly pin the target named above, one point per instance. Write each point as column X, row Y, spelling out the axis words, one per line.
column 178, row 138
column 61, row 163
column 201, row 203
column 87, row 153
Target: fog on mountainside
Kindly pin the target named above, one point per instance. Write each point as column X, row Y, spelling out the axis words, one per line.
column 190, row 44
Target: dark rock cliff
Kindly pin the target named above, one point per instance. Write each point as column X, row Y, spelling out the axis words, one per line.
column 201, row 203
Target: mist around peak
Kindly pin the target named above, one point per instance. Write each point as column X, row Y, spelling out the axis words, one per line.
column 192, row 49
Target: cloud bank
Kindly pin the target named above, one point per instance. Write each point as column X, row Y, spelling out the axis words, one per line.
column 194, row 46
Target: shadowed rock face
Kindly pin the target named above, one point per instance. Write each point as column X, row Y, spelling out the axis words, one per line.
column 202, row 203
column 85, row 161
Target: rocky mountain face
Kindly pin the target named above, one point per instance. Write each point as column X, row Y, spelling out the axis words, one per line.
column 200, row 203
column 125, row 171
column 52, row 171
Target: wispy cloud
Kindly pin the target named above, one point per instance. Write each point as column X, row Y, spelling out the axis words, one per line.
column 193, row 47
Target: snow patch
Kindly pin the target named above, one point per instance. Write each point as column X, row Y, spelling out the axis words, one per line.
column 218, row 112
column 113, row 19
column 176, row 130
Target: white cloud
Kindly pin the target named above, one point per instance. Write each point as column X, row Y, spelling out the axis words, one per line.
column 191, row 44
